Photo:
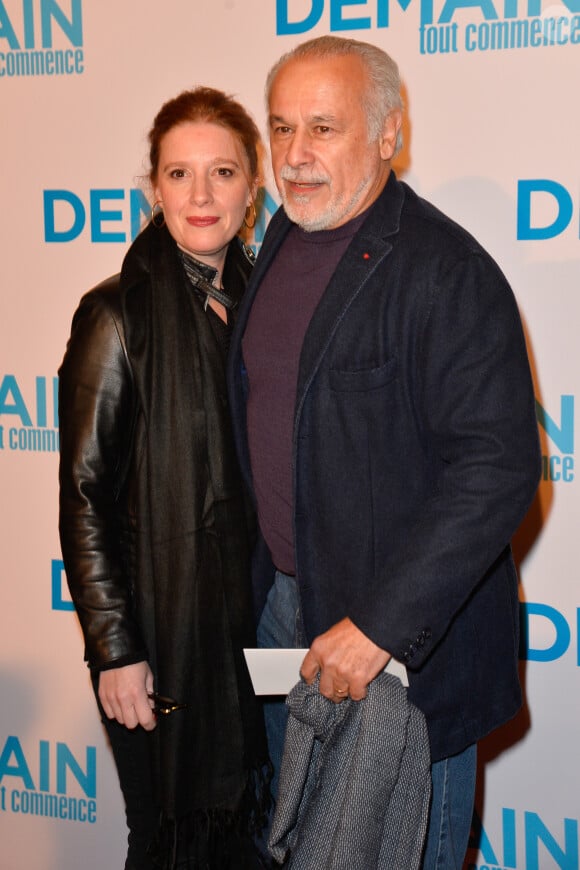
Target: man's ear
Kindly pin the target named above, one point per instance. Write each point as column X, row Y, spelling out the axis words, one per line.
column 391, row 127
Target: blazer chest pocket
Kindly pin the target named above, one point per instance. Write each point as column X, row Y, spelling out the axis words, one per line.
column 363, row 380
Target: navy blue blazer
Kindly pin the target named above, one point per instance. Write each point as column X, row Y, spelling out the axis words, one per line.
column 415, row 458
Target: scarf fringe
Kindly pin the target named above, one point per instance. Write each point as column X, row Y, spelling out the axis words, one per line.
column 216, row 839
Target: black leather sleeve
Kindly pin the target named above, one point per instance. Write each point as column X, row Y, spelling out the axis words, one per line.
column 96, row 416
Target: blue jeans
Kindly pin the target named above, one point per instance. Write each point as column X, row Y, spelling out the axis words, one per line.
column 452, row 797
column 280, row 627
column 453, row 778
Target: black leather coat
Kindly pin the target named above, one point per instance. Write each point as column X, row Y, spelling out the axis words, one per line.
column 103, row 437
column 99, row 417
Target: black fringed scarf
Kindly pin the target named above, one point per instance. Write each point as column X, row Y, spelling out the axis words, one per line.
column 192, row 554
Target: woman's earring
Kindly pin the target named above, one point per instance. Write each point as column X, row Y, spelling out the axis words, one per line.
column 157, row 216
column 252, row 213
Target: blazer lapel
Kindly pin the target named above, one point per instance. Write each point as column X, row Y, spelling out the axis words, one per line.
column 364, row 254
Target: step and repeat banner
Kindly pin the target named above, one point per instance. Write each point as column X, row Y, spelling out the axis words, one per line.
column 492, row 137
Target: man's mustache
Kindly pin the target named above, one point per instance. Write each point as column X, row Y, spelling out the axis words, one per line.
column 298, row 176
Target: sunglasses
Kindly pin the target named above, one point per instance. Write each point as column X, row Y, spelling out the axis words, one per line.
column 164, row 706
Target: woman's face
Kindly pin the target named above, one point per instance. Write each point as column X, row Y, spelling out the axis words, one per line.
column 203, row 184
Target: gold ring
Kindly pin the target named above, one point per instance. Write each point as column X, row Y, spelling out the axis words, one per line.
column 341, row 691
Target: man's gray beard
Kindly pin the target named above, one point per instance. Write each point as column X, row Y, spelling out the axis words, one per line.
column 329, row 218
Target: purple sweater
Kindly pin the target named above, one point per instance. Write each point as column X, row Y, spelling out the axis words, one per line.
column 272, row 343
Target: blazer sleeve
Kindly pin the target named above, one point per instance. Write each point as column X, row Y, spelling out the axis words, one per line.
column 474, row 397
column 95, row 419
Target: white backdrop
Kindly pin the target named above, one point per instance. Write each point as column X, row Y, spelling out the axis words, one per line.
column 492, row 138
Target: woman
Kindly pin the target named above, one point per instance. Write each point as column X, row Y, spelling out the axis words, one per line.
column 153, row 526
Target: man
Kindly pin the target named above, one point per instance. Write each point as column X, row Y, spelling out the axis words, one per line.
column 384, row 413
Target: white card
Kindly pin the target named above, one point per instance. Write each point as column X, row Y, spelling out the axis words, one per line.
column 276, row 671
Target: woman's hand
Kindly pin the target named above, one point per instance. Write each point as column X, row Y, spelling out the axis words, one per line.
column 123, row 692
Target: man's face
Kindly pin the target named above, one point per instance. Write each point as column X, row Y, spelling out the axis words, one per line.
column 326, row 170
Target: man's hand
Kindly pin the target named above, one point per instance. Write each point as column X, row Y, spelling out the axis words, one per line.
column 123, row 694
column 347, row 661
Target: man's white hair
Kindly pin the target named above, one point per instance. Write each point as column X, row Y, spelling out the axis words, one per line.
column 383, row 94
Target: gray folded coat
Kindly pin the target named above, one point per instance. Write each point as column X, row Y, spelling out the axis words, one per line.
column 355, row 781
